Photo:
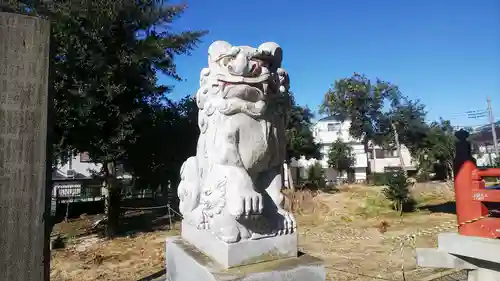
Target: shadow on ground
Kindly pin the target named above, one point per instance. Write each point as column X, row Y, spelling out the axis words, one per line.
column 451, row 208
column 157, row 276
column 447, row 208
column 330, row 189
column 132, row 223
column 147, row 221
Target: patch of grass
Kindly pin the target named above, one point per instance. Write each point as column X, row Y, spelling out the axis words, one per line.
column 374, row 206
column 301, row 201
column 58, row 243
column 428, row 193
column 427, row 198
column 432, row 197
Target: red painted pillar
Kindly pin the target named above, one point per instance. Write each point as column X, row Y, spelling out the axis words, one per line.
column 467, row 209
column 464, row 166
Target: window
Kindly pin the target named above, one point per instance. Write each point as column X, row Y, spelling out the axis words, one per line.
column 333, row 127
column 383, row 153
column 391, row 169
column 379, row 153
column 84, row 157
column 390, row 153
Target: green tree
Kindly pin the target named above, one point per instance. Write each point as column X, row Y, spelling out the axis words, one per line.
column 379, row 113
column 106, row 55
column 157, row 155
column 496, row 162
column 408, row 118
column 361, row 101
column 341, row 156
column 315, row 177
column 439, row 147
column 299, row 136
column 397, row 191
column 403, row 124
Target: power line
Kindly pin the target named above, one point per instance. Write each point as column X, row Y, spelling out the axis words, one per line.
column 474, row 126
column 493, row 129
column 477, row 111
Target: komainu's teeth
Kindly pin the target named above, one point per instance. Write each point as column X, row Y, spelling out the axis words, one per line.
column 264, row 87
column 222, row 85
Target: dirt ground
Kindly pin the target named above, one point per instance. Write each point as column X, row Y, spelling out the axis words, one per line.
column 352, row 229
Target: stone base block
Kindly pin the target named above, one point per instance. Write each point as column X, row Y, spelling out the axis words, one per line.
column 241, row 253
column 186, row 263
column 486, row 249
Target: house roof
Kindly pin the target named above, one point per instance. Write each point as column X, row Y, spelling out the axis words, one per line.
column 330, row 118
column 483, row 134
column 59, row 175
column 56, row 174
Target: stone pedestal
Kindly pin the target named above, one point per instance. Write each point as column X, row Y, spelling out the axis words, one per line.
column 242, row 253
column 478, row 255
column 185, row 262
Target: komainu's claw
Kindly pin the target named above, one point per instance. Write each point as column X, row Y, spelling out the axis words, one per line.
column 287, row 223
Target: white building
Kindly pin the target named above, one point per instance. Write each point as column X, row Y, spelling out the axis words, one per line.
column 328, row 130
column 81, row 167
column 486, row 155
column 381, row 159
column 482, row 140
column 69, row 179
column 78, row 166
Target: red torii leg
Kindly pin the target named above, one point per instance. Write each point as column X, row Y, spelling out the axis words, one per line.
column 470, row 193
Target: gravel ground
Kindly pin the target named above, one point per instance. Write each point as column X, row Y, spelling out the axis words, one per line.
column 461, row 276
column 457, row 276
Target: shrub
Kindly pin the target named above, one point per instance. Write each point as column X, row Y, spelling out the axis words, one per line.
column 315, row 177
column 490, row 179
column 300, row 201
column 423, row 177
column 397, row 191
column 378, row 179
column 341, row 156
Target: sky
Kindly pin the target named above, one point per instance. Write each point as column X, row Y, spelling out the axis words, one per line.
column 444, row 53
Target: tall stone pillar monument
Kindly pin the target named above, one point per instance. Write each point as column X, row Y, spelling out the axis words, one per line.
column 24, row 107
column 234, row 226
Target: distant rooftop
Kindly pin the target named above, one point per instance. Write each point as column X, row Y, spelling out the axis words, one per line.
column 330, row 118
column 483, row 134
column 486, row 127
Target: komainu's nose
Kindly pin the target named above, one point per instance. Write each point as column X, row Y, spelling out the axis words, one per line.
column 243, row 66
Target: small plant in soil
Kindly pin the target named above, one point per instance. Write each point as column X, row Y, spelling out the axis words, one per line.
column 398, row 192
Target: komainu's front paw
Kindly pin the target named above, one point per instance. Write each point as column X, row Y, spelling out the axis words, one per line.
column 242, row 199
column 245, row 203
column 229, row 233
column 197, row 219
column 286, row 222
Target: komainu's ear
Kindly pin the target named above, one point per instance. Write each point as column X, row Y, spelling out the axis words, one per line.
column 275, row 51
column 218, row 49
column 284, row 80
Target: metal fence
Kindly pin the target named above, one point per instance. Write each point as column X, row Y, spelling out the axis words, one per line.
column 91, row 196
column 83, row 193
column 77, row 193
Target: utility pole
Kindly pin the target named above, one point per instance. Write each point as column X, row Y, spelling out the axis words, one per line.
column 398, row 147
column 493, row 128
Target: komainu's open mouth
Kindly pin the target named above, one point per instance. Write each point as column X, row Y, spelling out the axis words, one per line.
column 248, row 91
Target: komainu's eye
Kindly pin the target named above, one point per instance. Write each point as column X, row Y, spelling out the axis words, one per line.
column 263, row 63
column 225, row 61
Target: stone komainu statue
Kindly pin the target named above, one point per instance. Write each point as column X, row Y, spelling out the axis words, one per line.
column 232, row 187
